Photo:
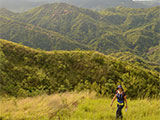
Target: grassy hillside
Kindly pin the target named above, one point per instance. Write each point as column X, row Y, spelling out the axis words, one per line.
column 29, row 72
column 75, row 106
column 108, row 31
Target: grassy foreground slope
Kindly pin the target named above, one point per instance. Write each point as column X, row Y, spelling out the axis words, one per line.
column 75, row 106
column 28, row 72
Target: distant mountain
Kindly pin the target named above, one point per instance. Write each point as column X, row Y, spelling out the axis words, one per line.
column 6, row 12
column 153, row 54
column 151, row 63
column 101, row 4
column 36, row 37
column 150, row 3
column 112, row 30
column 19, row 5
column 23, row 5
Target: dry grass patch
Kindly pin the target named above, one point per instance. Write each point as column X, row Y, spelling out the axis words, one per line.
column 40, row 107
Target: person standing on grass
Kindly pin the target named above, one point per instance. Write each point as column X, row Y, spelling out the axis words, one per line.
column 121, row 97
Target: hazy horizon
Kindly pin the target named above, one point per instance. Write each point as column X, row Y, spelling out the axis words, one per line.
column 24, row 5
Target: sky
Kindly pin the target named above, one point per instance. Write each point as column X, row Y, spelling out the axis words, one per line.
column 146, row 0
column 142, row 0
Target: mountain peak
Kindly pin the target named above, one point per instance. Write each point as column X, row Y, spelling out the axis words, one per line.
column 58, row 5
column 4, row 11
column 54, row 9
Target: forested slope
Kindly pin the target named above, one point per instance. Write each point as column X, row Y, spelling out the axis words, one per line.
column 35, row 36
column 108, row 31
column 27, row 72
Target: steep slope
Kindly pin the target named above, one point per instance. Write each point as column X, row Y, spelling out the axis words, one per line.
column 139, row 61
column 28, row 72
column 142, row 38
column 6, row 12
column 35, row 37
column 153, row 54
column 63, row 18
column 108, row 31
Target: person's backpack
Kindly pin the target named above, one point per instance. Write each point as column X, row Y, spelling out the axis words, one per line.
column 120, row 96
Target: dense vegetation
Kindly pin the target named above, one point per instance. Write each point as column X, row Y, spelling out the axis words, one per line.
column 28, row 72
column 136, row 60
column 129, row 39
column 153, row 54
column 62, row 26
column 36, row 37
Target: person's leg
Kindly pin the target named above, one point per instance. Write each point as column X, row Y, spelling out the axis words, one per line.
column 119, row 111
column 120, row 114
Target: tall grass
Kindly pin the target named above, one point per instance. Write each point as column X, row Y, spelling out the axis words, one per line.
column 99, row 109
column 75, row 106
column 39, row 108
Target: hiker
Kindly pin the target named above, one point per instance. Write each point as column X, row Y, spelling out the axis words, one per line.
column 121, row 97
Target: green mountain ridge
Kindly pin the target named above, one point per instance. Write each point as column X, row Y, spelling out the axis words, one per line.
column 138, row 61
column 6, row 12
column 153, row 54
column 28, row 72
column 36, row 37
column 108, row 31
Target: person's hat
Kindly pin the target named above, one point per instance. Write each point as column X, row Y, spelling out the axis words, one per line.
column 119, row 86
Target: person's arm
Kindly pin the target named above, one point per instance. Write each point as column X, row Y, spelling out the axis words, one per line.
column 113, row 100
column 125, row 99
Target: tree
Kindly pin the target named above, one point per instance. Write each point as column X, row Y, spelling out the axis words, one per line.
column 2, row 60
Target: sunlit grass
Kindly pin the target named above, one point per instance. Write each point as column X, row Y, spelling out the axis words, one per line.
column 75, row 106
column 99, row 109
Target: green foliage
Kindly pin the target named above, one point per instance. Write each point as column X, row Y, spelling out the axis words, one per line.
column 2, row 57
column 139, row 61
column 153, row 54
column 64, row 27
column 3, row 75
column 36, row 37
column 31, row 72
